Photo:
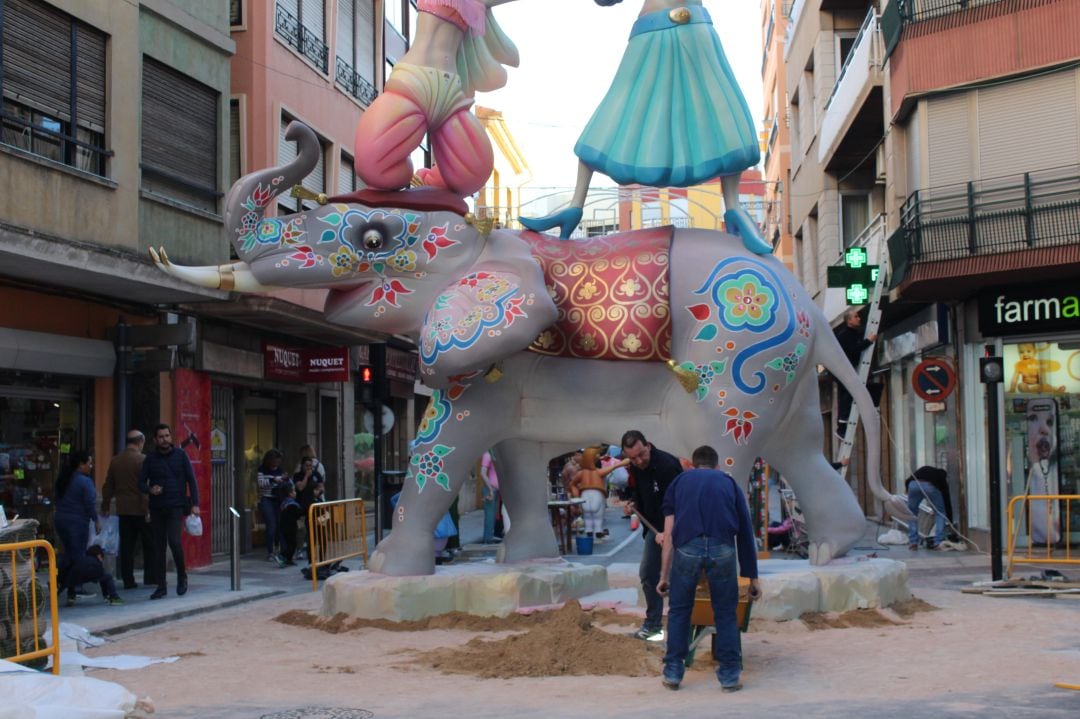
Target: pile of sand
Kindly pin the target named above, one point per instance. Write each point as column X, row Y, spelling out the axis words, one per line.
column 342, row 622
column 564, row 643
column 865, row 618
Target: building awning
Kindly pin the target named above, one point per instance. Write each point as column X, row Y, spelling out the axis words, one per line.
column 55, row 354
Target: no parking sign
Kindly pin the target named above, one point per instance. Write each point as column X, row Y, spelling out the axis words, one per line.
column 933, row 380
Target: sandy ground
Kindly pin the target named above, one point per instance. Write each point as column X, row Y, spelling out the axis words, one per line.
column 972, row 656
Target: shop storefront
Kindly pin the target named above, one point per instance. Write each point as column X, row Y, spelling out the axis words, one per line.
column 47, row 408
column 1036, row 330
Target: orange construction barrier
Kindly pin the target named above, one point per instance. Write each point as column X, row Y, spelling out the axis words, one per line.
column 19, row 598
column 1042, row 552
column 336, row 531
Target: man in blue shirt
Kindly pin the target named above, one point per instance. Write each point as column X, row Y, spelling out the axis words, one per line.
column 706, row 521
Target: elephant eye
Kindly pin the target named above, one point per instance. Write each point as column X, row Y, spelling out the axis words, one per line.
column 373, row 238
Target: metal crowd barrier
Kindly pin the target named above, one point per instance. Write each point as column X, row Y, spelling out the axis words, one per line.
column 13, row 604
column 336, row 531
column 1042, row 552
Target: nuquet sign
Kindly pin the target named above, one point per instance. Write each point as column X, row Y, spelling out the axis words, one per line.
column 305, row 364
column 1030, row 309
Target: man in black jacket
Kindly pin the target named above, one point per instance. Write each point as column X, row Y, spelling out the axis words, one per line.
column 652, row 470
column 169, row 480
column 851, row 339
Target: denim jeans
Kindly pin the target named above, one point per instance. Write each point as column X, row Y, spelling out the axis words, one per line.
column 649, row 574
column 917, row 491
column 717, row 560
column 268, row 508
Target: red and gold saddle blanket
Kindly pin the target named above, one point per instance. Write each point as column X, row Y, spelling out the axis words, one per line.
column 612, row 294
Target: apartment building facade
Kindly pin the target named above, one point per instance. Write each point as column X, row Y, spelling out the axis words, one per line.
column 944, row 136
column 776, row 135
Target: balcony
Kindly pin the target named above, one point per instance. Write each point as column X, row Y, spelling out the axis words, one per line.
column 353, row 83
column 858, row 78
column 794, row 14
column 954, row 239
column 948, row 44
column 771, row 146
column 295, row 35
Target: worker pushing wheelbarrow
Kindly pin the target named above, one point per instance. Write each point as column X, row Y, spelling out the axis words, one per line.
column 707, row 528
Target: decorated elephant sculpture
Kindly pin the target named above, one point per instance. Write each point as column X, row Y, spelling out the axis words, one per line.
column 535, row 345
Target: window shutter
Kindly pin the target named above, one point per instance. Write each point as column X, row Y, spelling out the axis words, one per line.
column 37, row 56
column 90, row 77
column 949, row 141
column 286, row 154
column 365, row 40
column 179, row 134
column 313, row 18
column 346, row 176
column 345, row 29
column 234, row 140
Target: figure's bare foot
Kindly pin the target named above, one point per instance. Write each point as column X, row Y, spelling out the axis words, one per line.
column 431, row 177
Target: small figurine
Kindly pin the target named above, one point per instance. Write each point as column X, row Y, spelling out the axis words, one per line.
column 673, row 117
column 458, row 48
column 588, row 483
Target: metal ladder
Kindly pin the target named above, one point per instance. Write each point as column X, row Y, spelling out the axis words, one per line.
column 873, row 321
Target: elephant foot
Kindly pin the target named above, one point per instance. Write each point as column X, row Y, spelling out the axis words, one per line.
column 401, row 556
column 524, row 543
column 836, row 541
column 821, row 553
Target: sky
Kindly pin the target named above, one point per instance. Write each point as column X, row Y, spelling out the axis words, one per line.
column 569, row 52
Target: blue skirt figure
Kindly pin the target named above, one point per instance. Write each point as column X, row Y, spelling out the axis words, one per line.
column 673, row 117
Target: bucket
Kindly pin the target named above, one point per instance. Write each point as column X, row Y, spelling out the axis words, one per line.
column 584, row 545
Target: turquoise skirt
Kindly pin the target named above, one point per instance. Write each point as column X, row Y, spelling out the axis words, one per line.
column 674, row 115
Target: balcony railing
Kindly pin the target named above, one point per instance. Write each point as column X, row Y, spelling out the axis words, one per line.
column 865, row 51
column 296, row 35
column 793, row 16
column 1007, row 214
column 919, row 10
column 860, row 68
column 773, row 133
column 353, row 83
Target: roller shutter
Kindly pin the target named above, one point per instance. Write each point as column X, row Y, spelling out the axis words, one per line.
column 949, row 140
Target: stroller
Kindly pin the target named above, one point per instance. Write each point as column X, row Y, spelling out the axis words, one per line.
column 791, row 532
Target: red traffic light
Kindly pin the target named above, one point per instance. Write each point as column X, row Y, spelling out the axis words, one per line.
column 366, row 376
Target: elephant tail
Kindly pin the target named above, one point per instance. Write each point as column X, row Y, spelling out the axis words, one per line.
column 827, row 352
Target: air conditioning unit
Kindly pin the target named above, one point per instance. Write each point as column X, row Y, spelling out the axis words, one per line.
column 879, row 164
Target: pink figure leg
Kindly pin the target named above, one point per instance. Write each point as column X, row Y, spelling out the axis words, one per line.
column 463, row 156
column 386, row 135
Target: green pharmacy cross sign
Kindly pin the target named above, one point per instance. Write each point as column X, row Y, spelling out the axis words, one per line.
column 855, row 276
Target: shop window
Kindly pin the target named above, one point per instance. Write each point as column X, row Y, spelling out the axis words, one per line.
column 37, row 435
column 179, row 137
column 52, row 75
column 1042, row 429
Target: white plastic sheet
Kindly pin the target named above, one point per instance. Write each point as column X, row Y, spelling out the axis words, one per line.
column 28, row 694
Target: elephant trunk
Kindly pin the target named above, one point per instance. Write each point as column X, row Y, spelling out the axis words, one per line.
column 249, row 197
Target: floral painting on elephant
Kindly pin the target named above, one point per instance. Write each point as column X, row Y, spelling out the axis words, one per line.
column 612, row 295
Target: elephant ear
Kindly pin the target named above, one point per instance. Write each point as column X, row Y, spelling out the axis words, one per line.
column 492, row 312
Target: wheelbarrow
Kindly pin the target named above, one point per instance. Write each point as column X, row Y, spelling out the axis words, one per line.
column 702, row 622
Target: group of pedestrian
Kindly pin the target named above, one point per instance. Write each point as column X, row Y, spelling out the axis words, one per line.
column 284, row 500
column 153, row 493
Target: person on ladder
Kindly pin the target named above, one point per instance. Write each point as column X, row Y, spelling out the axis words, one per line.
column 851, row 339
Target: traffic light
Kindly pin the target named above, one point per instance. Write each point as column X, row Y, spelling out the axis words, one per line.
column 365, row 387
column 855, row 276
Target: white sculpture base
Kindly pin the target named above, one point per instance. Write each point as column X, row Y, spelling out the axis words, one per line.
column 791, row 588
column 481, row 588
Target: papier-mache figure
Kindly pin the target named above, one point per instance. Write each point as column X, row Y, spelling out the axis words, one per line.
column 457, row 50
column 588, row 483
column 673, row 117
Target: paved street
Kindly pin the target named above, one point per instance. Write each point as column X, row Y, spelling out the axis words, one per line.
column 974, row 657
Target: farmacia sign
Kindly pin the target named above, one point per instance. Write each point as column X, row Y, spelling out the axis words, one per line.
column 1030, row 309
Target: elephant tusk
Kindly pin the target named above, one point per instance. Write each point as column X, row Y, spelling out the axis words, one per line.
column 231, row 277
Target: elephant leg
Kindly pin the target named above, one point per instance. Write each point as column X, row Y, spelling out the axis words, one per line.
column 524, row 492
column 834, row 520
column 453, row 434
